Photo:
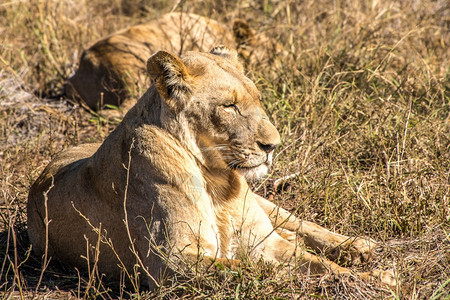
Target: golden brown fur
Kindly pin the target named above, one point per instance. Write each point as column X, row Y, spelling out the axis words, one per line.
column 169, row 184
column 112, row 70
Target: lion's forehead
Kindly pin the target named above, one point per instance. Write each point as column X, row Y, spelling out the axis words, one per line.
column 248, row 96
column 200, row 63
column 222, row 78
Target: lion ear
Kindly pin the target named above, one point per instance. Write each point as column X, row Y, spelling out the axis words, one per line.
column 245, row 39
column 171, row 79
column 243, row 33
column 229, row 54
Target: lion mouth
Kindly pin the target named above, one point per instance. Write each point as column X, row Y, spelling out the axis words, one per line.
column 244, row 167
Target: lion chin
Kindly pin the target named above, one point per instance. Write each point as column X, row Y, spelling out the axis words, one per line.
column 254, row 173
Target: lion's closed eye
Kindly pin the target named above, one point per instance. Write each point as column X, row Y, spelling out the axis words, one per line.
column 232, row 107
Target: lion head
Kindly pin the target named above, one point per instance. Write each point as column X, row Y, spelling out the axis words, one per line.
column 209, row 102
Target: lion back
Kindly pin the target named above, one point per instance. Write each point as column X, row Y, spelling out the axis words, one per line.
column 112, row 71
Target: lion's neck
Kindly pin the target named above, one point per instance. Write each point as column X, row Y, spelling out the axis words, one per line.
column 179, row 128
column 222, row 183
column 152, row 110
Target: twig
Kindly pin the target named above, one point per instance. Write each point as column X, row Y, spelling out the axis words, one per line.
column 406, row 129
column 176, row 5
column 106, row 241
column 15, row 265
column 284, row 178
column 46, row 222
column 6, row 252
column 126, row 219
column 97, row 253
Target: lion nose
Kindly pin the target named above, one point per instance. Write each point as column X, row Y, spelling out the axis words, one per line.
column 266, row 147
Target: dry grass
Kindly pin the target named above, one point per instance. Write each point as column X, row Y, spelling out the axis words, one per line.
column 362, row 102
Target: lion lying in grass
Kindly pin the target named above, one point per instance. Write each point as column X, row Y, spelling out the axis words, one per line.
column 113, row 69
column 168, row 187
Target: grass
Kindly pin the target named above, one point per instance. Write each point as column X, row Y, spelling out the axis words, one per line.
column 362, row 102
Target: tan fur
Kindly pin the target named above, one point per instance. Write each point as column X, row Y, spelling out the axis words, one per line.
column 113, row 70
column 168, row 185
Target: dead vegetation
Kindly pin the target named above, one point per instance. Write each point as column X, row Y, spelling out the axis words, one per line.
column 362, row 102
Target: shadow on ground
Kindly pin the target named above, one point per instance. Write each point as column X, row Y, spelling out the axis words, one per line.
column 21, row 269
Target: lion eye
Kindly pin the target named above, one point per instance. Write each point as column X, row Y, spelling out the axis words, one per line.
column 232, row 105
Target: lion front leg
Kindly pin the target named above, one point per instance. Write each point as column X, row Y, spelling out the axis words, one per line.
column 279, row 250
column 336, row 247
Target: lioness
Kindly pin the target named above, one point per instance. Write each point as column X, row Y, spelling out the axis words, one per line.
column 168, row 185
column 113, row 69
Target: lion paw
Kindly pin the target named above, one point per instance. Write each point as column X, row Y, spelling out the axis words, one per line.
column 387, row 278
column 353, row 251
